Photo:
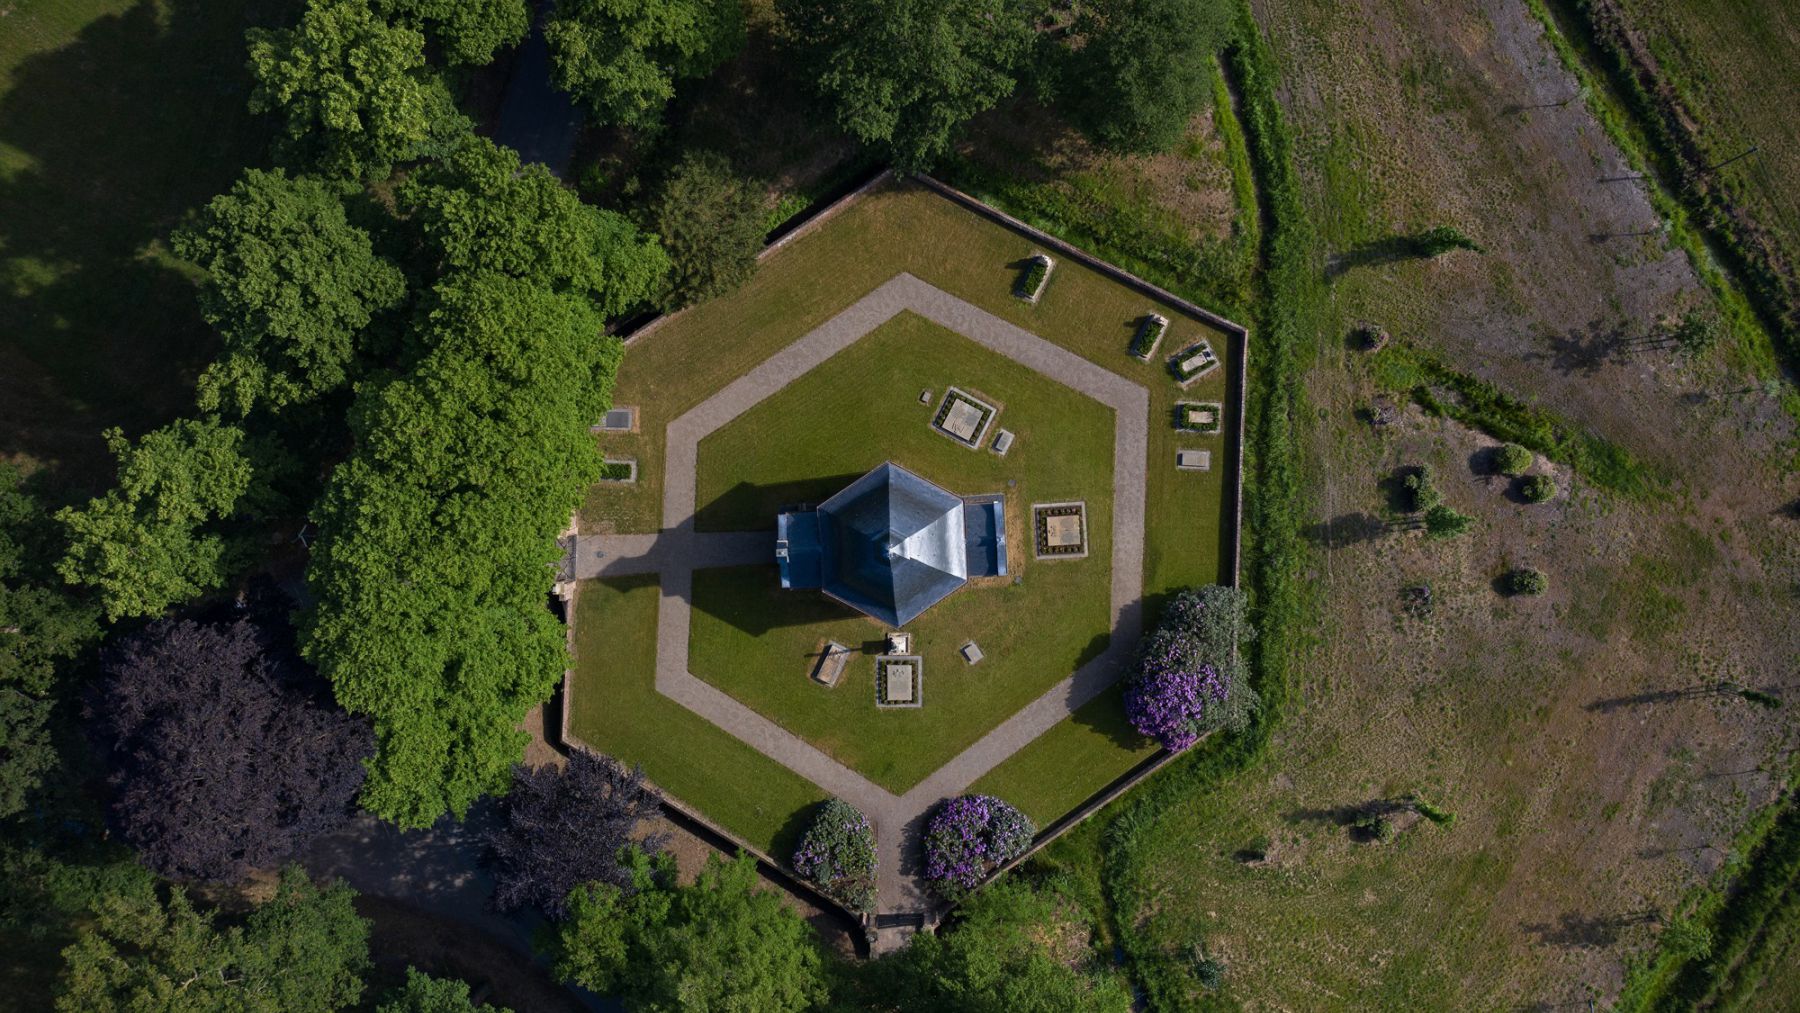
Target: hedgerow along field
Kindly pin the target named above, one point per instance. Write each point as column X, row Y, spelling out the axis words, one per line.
column 680, row 362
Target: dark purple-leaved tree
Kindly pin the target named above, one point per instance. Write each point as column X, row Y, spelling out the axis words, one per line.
column 562, row 828
column 1188, row 678
column 227, row 753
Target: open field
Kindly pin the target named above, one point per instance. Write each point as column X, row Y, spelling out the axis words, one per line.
column 1063, row 451
column 1585, row 741
column 115, row 118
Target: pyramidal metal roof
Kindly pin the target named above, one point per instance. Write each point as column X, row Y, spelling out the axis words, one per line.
column 892, row 544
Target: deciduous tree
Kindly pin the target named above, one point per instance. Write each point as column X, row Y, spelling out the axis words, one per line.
column 352, row 91
column 289, row 284
column 718, row 944
column 1145, row 68
column 146, row 544
column 437, row 539
column 302, row 952
column 424, row 994
column 712, row 224
column 481, row 211
column 1188, row 678
column 562, row 828
column 622, row 57
column 225, row 756
column 905, row 75
column 469, row 32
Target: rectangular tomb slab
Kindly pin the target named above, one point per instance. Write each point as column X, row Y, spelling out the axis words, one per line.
column 1062, row 532
column 899, row 683
column 1193, row 460
column 963, row 421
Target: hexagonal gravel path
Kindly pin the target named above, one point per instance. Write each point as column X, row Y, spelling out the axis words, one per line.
column 679, row 550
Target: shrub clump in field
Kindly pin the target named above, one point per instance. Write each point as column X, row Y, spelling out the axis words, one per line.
column 1537, row 488
column 968, row 838
column 1512, row 459
column 1188, row 679
column 1446, row 522
column 1437, row 241
column 1525, row 580
column 838, row 853
column 1421, row 493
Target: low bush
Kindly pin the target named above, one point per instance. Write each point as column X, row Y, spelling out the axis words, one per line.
column 1537, row 488
column 1032, row 278
column 1441, row 817
column 1512, row 459
column 838, row 854
column 969, row 837
column 1446, row 522
column 1187, row 680
column 1761, row 699
column 1437, row 241
column 1421, row 493
column 1209, row 972
column 1525, row 580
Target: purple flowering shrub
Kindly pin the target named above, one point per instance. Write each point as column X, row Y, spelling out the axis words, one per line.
column 838, row 853
column 1186, row 679
column 970, row 836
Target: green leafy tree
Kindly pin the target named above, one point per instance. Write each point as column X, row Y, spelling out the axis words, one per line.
column 144, row 545
column 712, row 224
column 1145, row 68
column 1537, row 488
column 41, row 628
column 305, row 950
column 622, row 58
column 469, row 32
column 289, row 284
column 1001, row 957
column 1526, row 580
column 437, row 537
column 905, row 75
column 1512, row 459
column 720, row 944
column 1446, row 522
column 481, row 211
column 424, row 994
column 352, row 91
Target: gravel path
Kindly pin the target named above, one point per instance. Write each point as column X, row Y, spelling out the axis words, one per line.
column 678, row 551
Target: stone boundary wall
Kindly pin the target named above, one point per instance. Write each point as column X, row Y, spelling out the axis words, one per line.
column 1238, row 384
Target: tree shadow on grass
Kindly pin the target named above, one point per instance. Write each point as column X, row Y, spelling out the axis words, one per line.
column 752, row 506
column 1661, row 696
column 110, row 140
column 1105, row 716
column 1578, row 931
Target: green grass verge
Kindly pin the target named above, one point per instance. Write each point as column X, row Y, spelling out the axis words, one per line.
column 1068, row 764
column 1442, row 390
column 1750, row 909
column 615, row 708
column 1289, row 322
column 115, row 118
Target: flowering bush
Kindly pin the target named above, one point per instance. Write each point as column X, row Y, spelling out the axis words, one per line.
column 838, row 853
column 969, row 837
column 1186, row 680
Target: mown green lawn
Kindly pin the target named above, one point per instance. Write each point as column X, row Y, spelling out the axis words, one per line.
column 615, row 708
column 903, row 227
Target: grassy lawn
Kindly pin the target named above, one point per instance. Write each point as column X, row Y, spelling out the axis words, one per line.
column 115, row 118
column 744, row 478
column 617, row 710
column 1066, row 765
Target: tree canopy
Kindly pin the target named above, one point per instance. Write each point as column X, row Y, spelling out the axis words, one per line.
column 145, row 545
column 622, row 58
column 289, row 284
column 1188, row 678
column 302, row 952
column 712, row 223
column 562, row 828
column 1145, row 68
column 424, row 994
column 905, row 75
column 437, row 538
column 469, row 32
column 352, row 91
column 479, row 210
column 224, row 755
column 720, row 943
column 1014, row 948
